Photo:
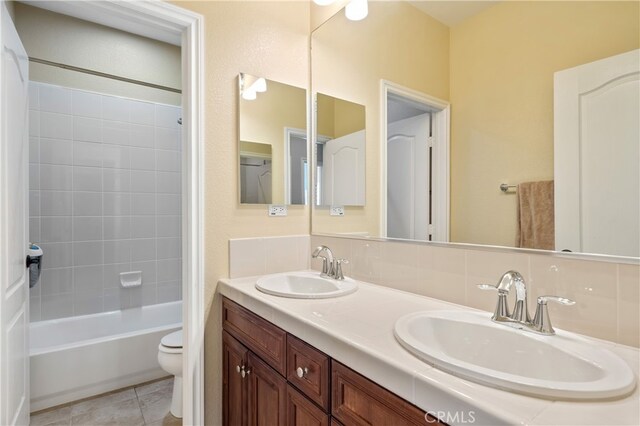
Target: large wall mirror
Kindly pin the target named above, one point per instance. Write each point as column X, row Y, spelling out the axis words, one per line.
column 273, row 142
column 509, row 124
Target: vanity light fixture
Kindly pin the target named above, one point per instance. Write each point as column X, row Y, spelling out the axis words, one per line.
column 356, row 10
column 251, row 86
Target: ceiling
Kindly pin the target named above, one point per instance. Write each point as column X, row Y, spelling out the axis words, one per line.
column 452, row 12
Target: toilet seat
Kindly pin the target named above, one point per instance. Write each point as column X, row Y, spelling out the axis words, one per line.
column 171, row 343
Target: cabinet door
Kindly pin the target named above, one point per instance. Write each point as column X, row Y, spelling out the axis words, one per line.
column 234, row 392
column 267, row 394
column 302, row 412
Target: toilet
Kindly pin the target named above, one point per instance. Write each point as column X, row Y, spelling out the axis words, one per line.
column 170, row 359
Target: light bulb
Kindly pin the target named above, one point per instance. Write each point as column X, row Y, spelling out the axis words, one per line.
column 356, row 10
column 323, row 2
column 249, row 95
column 260, row 85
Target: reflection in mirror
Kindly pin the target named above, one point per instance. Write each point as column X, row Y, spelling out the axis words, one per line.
column 339, row 152
column 566, row 152
column 273, row 142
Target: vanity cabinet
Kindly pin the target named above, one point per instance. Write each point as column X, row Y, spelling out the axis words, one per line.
column 273, row 378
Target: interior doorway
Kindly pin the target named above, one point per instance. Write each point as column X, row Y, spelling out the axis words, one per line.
column 414, row 165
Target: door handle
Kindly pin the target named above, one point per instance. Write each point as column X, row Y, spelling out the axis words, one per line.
column 34, row 264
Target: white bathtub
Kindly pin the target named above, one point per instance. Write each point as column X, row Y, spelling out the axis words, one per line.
column 77, row 357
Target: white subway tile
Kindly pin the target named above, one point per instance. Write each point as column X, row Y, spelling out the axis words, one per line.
column 281, row 254
column 168, row 139
column 628, row 303
column 56, row 178
column 116, row 203
column 56, row 281
column 142, row 112
column 168, row 226
column 34, row 149
column 143, row 249
column 143, row 181
column 87, row 129
column 141, row 136
column 117, row 227
column 116, row 157
column 88, row 279
column 55, row 99
column 116, row 180
column 148, row 270
column 87, row 303
column 143, row 226
column 115, row 299
column 117, row 251
column 247, row 257
column 34, row 101
column 111, row 274
column 169, row 248
column 87, row 228
column 34, row 309
column 87, row 104
column 168, row 116
column 57, row 255
column 87, row 154
column 148, row 294
column 34, row 229
column 55, row 229
column 87, row 253
column 87, row 179
column 34, row 176
column 56, row 151
column 55, row 203
column 143, row 159
column 168, row 291
column 34, row 123
column 57, row 306
column 168, row 204
column 143, row 204
column 168, row 161
column 169, row 182
column 34, row 203
column 87, row 203
column 115, row 132
column 169, row 270
column 56, row 126
column 115, row 109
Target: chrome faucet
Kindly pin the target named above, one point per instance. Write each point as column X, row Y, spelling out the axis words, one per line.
column 520, row 318
column 331, row 267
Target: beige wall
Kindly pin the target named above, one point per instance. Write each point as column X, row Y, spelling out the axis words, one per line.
column 502, row 65
column 337, row 117
column 350, row 67
column 60, row 38
column 264, row 119
column 269, row 39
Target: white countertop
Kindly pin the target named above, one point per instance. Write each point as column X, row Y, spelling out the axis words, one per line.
column 357, row 330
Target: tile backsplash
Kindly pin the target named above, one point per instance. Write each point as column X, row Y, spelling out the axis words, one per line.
column 268, row 255
column 607, row 294
column 105, row 198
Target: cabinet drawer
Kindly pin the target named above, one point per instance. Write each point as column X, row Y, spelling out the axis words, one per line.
column 302, row 412
column 357, row 400
column 257, row 334
column 314, row 366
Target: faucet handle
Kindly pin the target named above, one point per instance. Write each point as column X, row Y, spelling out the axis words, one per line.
column 541, row 320
column 492, row 287
column 337, row 269
column 502, row 308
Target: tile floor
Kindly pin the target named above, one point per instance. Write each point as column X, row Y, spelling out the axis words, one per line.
column 145, row 404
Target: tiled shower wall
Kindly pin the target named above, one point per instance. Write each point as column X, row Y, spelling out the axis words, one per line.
column 105, row 194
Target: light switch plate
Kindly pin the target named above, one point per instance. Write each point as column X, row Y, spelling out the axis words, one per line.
column 277, row 210
column 337, row 211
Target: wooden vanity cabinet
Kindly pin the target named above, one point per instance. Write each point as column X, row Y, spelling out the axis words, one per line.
column 272, row 378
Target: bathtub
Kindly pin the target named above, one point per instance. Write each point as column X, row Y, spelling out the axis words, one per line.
column 78, row 357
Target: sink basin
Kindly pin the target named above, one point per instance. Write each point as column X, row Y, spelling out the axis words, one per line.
column 469, row 345
column 305, row 285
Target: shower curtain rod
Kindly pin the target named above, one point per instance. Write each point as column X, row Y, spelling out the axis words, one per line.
column 102, row 74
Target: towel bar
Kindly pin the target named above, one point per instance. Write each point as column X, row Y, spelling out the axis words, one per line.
column 505, row 187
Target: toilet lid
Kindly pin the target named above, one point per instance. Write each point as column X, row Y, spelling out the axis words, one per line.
column 173, row 340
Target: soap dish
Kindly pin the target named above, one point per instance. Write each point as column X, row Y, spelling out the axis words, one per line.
column 131, row 279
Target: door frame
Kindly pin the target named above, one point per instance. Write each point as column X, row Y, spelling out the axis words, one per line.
column 441, row 165
column 288, row 132
column 169, row 23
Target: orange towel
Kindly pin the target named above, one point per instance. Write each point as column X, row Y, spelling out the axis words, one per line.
column 535, row 216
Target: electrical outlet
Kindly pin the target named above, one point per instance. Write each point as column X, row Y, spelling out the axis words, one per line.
column 277, row 210
column 337, row 211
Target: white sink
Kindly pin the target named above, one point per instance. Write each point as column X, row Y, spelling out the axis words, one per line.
column 469, row 345
column 305, row 285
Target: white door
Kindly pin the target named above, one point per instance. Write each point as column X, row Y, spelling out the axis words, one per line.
column 344, row 170
column 597, row 156
column 408, row 178
column 14, row 287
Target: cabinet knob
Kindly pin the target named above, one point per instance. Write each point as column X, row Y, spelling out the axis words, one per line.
column 238, row 368
column 244, row 372
column 300, row 372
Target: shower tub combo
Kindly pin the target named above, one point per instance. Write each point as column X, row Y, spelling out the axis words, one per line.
column 77, row 357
